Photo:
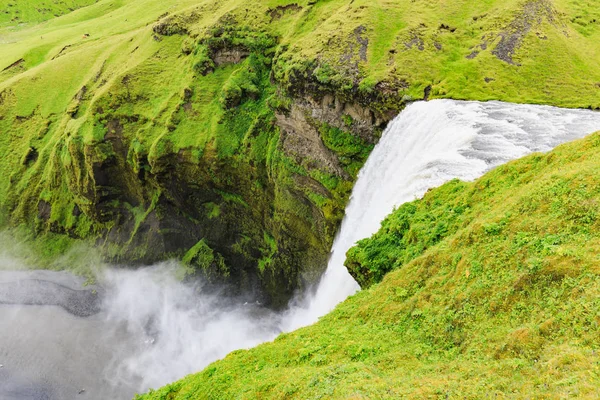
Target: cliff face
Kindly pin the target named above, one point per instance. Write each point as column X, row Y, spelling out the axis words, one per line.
column 229, row 135
column 193, row 152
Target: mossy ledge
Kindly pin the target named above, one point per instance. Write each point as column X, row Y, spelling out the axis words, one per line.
column 483, row 287
column 229, row 134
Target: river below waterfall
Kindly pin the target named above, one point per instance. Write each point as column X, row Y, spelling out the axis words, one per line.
column 136, row 330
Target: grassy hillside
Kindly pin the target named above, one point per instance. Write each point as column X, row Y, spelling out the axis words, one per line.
column 229, row 133
column 493, row 290
column 17, row 12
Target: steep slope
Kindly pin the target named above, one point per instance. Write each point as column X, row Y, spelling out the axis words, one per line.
column 229, row 134
column 494, row 290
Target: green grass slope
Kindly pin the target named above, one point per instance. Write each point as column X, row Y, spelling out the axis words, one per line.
column 17, row 12
column 492, row 290
column 228, row 133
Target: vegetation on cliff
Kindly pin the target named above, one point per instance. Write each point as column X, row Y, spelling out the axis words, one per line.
column 492, row 287
column 228, row 134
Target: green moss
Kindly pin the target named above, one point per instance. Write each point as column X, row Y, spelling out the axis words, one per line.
column 352, row 151
column 234, row 198
column 212, row 210
column 408, row 232
column 202, row 257
column 268, row 253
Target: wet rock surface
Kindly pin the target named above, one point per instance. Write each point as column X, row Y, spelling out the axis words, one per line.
column 50, row 289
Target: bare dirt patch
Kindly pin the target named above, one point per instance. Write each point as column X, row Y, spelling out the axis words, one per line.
column 511, row 37
column 17, row 64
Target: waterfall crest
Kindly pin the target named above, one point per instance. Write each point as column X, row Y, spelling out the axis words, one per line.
column 428, row 144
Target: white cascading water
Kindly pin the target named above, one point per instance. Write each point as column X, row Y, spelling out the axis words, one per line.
column 153, row 329
column 428, row 144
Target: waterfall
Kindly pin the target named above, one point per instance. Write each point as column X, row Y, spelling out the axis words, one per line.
column 428, row 144
column 152, row 329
